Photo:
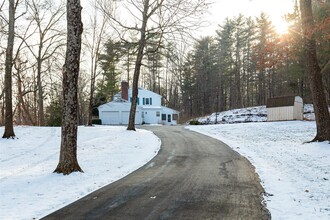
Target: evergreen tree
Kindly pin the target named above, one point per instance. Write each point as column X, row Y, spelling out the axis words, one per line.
column 107, row 87
column 225, row 62
column 263, row 55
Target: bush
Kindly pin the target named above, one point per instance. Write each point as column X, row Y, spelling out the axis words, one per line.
column 54, row 114
column 96, row 121
column 194, row 122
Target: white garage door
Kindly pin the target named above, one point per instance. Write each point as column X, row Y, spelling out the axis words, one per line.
column 111, row 118
column 125, row 117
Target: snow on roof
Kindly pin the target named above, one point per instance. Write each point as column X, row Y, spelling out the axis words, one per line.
column 159, row 108
column 115, row 103
column 152, row 107
column 140, row 88
column 170, row 109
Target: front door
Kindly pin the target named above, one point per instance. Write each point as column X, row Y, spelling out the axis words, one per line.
column 168, row 118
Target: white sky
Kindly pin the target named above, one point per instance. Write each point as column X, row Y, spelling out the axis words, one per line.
column 221, row 9
column 231, row 8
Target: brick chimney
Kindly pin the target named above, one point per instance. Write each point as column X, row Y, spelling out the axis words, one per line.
column 124, row 90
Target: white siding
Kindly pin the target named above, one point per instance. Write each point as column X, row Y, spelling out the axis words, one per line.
column 125, row 117
column 143, row 93
column 280, row 113
column 298, row 109
column 285, row 113
column 150, row 116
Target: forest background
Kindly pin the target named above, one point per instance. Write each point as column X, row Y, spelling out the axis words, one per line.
column 242, row 64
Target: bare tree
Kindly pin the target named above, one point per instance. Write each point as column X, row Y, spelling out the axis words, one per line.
column 150, row 19
column 9, row 128
column 24, row 115
column 47, row 16
column 98, row 27
column 322, row 115
column 68, row 162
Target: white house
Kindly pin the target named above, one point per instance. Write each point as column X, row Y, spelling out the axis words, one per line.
column 285, row 108
column 149, row 109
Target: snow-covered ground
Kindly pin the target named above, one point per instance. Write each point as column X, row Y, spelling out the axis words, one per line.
column 29, row 189
column 243, row 115
column 294, row 174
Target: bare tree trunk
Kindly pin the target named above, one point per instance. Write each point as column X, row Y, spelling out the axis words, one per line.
column 322, row 115
column 9, row 128
column 91, row 98
column 41, row 114
column 138, row 64
column 50, row 38
column 68, row 162
column 95, row 53
column 92, row 88
column 2, row 108
column 20, row 94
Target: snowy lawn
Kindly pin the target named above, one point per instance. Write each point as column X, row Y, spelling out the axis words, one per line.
column 295, row 176
column 29, row 189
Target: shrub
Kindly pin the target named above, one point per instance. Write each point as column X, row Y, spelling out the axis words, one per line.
column 194, row 122
column 97, row 121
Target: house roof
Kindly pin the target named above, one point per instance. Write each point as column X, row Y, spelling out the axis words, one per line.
column 114, row 104
column 176, row 111
column 143, row 89
column 280, row 101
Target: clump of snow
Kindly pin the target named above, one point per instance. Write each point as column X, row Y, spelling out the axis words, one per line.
column 253, row 114
column 294, row 174
column 244, row 115
column 29, row 189
column 309, row 112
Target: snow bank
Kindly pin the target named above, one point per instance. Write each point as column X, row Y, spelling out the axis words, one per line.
column 29, row 189
column 251, row 114
column 295, row 176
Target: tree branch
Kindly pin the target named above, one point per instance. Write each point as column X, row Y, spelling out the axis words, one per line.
column 326, row 69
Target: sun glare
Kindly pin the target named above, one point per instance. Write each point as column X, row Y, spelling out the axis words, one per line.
column 281, row 26
column 276, row 14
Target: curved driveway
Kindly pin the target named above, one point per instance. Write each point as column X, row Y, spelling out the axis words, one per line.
column 192, row 177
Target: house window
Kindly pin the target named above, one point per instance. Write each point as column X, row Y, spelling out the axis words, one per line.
column 168, row 118
column 137, row 101
column 175, row 116
column 157, row 113
column 147, row 101
column 163, row 117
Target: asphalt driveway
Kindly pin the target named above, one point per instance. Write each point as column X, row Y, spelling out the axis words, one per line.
column 192, row 177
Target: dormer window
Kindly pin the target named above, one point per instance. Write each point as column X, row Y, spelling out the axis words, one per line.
column 147, row 101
